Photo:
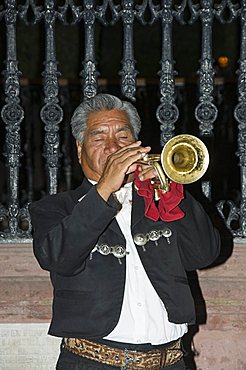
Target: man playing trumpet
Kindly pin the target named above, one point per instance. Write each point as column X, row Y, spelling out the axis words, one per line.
column 117, row 258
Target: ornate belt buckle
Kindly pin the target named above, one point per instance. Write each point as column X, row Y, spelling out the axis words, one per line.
column 129, row 359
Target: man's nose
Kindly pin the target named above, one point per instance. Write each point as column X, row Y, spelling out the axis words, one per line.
column 112, row 146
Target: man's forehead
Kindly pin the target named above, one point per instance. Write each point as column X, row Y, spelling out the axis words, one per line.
column 106, row 118
column 94, row 130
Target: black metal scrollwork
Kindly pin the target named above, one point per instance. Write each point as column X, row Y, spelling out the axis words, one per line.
column 229, row 211
column 128, row 72
column 51, row 113
column 14, row 217
column 12, row 115
column 206, row 112
column 240, row 116
column 88, row 13
column 167, row 113
column 89, row 72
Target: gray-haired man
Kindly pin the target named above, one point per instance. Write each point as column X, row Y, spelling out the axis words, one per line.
column 118, row 261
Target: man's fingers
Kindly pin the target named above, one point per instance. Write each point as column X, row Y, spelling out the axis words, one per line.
column 132, row 168
column 147, row 173
column 131, row 158
column 130, row 152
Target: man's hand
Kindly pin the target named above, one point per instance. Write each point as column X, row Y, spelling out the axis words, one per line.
column 120, row 164
column 146, row 172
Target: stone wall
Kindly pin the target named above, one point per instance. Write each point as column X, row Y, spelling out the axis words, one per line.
column 221, row 341
column 27, row 347
column 218, row 343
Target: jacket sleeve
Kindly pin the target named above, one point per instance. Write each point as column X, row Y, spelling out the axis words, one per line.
column 62, row 240
column 198, row 240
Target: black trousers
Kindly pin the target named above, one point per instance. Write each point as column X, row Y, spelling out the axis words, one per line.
column 69, row 361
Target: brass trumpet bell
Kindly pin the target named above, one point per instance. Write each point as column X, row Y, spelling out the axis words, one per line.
column 184, row 159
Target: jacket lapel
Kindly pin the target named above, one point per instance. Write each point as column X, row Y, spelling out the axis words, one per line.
column 138, row 208
column 81, row 191
column 115, row 228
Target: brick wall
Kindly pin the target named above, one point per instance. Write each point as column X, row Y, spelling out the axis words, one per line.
column 25, row 310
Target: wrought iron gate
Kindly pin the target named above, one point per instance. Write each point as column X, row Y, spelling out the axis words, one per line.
column 87, row 13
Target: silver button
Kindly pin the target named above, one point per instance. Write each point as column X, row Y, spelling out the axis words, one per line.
column 154, row 235
column 118, row 251
column 166, row 232
column 104, row 249
column 140, row 239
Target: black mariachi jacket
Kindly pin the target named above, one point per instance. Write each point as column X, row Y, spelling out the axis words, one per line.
column 89, row 287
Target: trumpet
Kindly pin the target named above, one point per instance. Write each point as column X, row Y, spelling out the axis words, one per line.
column 184, row 160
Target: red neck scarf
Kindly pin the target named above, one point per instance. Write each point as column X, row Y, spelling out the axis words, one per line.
column 168, row 209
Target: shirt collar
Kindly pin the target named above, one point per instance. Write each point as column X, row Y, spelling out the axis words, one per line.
column 124, row 194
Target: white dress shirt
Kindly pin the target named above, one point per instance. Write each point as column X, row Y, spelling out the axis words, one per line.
column 143, row 317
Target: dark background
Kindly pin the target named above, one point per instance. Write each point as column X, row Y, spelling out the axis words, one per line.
column 223, row 171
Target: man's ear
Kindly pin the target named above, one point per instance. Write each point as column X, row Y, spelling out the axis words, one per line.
column 79, row 150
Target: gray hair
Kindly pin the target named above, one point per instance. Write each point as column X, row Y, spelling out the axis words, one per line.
column 98, row 103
